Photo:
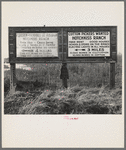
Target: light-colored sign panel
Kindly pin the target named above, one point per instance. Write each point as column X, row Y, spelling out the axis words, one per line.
column 88, row 44
column 37, row 44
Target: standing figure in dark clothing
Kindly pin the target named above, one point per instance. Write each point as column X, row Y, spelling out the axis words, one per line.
column 64, row 74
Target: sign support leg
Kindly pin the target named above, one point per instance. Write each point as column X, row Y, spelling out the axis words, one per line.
column 64, row 83
column 64, row 75
column 12, row 79
column 112, row 75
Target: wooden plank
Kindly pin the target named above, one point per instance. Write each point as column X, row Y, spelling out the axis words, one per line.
column 67, row 61
column 62, row 44
column 112, row 75
column 12, row 79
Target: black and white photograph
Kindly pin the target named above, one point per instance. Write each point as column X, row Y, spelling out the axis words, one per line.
column 63, row 65
column 64, row 70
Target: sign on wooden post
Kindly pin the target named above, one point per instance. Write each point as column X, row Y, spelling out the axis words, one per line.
column 80, row 44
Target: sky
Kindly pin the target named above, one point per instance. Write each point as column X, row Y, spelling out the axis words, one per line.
column 62, row 14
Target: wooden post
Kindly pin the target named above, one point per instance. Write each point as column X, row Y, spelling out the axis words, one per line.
column 48, row 76
column 64, row 83
column 64, row 75
column 62, row 46
column 112, row 75
column 12, row 79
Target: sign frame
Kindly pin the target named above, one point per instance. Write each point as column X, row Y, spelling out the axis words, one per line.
column 12, row 45
column 113, row 47
column 62, row 44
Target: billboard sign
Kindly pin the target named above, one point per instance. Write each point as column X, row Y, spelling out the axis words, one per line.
column 37, row 44
column 88, row 44
column 74, row 44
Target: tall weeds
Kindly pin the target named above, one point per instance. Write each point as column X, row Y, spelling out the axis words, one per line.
column 83, row 74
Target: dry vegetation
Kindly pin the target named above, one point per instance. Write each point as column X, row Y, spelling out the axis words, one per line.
column 40, row 92
column 76, row 100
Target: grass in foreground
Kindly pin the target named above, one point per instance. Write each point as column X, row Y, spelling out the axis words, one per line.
column 75, row 100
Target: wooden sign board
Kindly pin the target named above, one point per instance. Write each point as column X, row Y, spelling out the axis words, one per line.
column 62, row 44
column 88, row 44
column 37, row 45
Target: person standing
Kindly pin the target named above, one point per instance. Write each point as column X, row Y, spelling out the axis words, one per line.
column 64, row 74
